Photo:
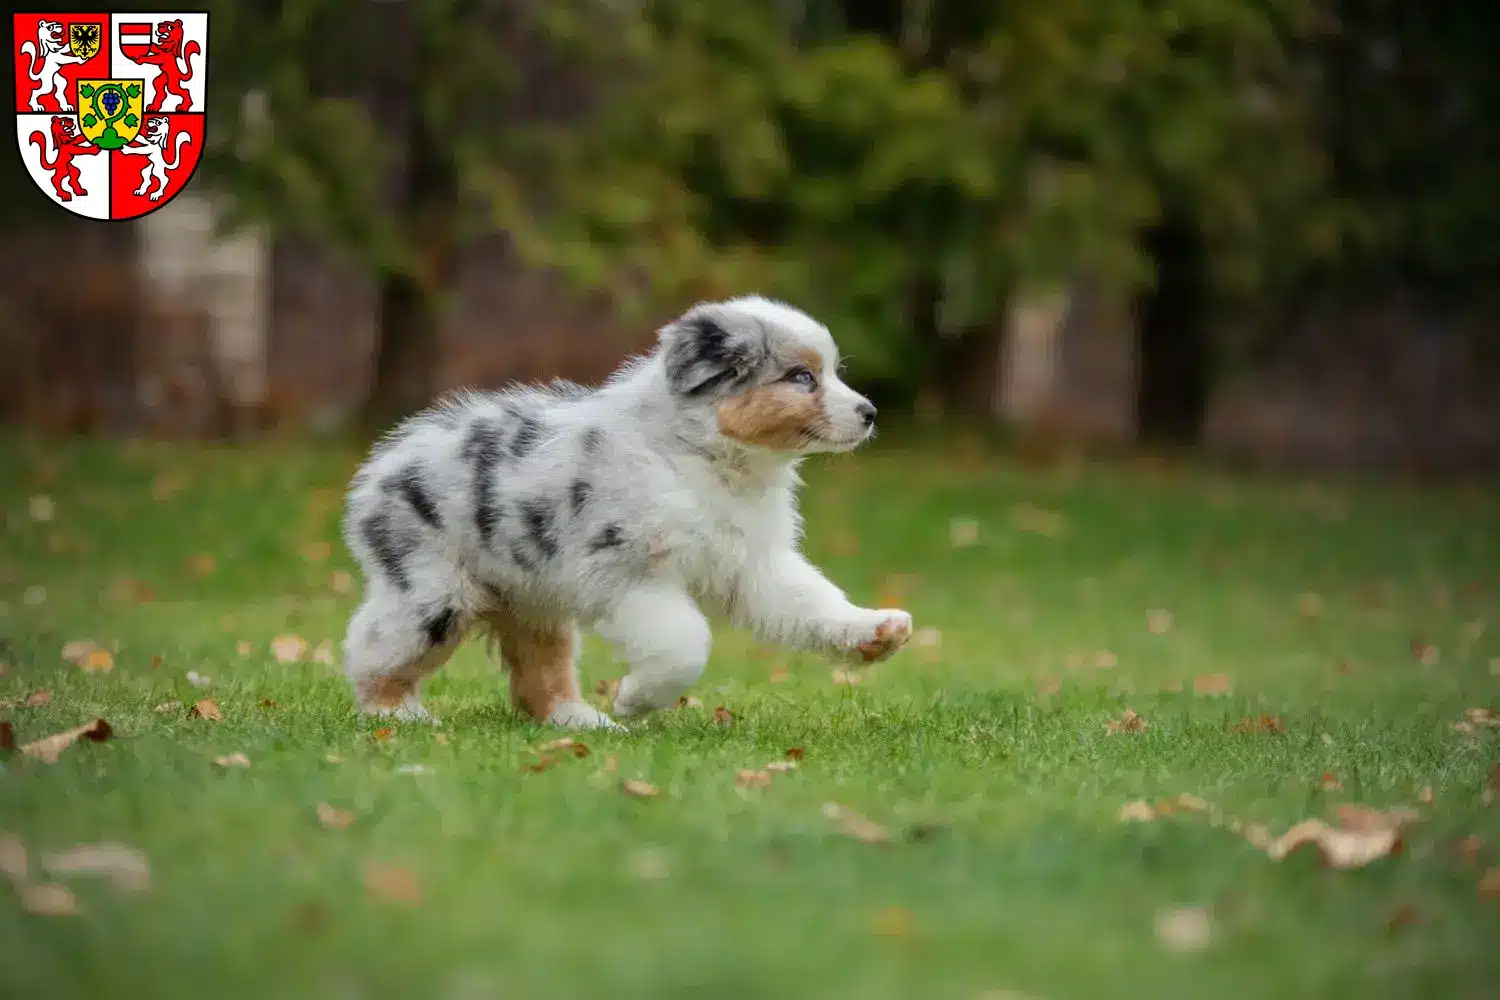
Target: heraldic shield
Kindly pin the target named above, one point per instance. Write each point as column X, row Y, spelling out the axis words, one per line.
column 110, row 107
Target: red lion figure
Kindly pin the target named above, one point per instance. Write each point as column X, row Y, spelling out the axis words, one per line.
column 165, row 51
column 69, row 143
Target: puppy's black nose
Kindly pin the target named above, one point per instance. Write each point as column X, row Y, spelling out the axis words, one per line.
column 866, row 411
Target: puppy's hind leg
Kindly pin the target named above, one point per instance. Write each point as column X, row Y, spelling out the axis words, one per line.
column 543, row 674
column 391, row 645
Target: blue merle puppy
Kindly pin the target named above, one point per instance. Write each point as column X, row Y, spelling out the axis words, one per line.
column 532, row 512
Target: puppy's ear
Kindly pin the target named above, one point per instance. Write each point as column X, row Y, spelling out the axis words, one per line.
column 706, row 355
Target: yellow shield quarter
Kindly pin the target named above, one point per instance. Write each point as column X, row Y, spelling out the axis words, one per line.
column 109, row 111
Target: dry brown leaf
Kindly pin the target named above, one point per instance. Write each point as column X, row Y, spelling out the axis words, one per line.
column 963, row 532
column 1262, row 724
column 1184, row 929
column 441, row 739
column 1037, row 520
column 779, row 675
column 317, row 552
column 268, row 703
column 1130, row 722
column 611, row 764
column 894, row 921
column 206, row 709
column 334, row 819
column 323, row 654
column 608, row 688
column 688, row 701
column 1310, row 605
column 288, row 648
column 723, row 716
column 638, row 789
column 1425, row 653
column 796, row 753
column 131, row 591
column 1469, row 848
column 233, row 760
column 1213, row 684
column 341, row 582
column 1364, row 835
column 202, row 564
column 1425, row 796
column 750, row 778
column 382, row 734
column 574, row 747
column 852, row 824
column 7, row 736
column 47, row 750
column 48, row 901
column 1105, row 660
column 1403, row 916
column 13, row 858
column 167, row 706
column 1330, row 782
column 125, row 866
column 848, row 677
column 74, row 650
column 1048, row 686
column 1489, row 884
column 1138, row 811
column 1159, row 622
column 392, row 884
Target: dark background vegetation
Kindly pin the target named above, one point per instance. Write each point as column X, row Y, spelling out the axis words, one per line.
column 1272, row 226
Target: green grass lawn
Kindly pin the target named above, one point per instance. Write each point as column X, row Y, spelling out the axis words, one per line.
column 1353, row 613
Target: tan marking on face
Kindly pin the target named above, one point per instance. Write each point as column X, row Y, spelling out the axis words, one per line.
column 812, row 359
column 540, row 660
column 388, row 691
column 780, row 416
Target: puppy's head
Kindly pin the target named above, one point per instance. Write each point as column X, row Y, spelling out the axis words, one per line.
column 763, row 375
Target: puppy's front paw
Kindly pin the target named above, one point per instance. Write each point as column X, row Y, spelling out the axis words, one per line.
column 582, row 715
column 891, row 630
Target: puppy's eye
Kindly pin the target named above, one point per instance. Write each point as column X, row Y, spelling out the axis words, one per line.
column 803, row 377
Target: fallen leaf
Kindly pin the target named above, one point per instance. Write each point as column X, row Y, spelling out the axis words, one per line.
column 1330, row 782
column 611, row 764
column 574, row 747
column 75, row 650
column 852, row 824
column 1403, row 916
column 1184, row 929
column 1159, row 622
column 392, row 884
column 688, row 701
column 233, row 760
column 894, row 921
column 1425, row 653
column 125, row 866
column 1425, row 796
column 98, row 660
column 324, row 653
column 1263, row 724
column 752, row 778
column 166, row 485
column 332, row 758
column 382, row 734
column 288, row 648
column 1037, row 520
column 197, row 680
column 7, row 736
column 244, row 647
column 167, row 706
column 38, row 698
column 131, row 591
column 12, row 858
column 638, row 789
column 781, row 765
column 1310, row 605
column 47, row 750
column 1105, row 660
column 317, row 551
column 268, row 703
column 334, row 819
column 1138, row 811
column 48, row 901
column 963, row 532
column 779, row 675
column 1489, row 884
column 41, row 508
column 1130, row 722
column 846, row 677
column 796, row 753
column 156, row 661
column 1048, row 686
column 1213, row 684
column 1468, row 849
column 441, row 739
column 202, row 564
column 206, row 709
column 341, row 582
column 608, row 688
column 723, row 716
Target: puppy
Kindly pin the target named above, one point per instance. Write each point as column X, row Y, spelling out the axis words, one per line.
column 532, row 512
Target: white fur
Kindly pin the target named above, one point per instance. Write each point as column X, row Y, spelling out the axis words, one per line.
column 675, row 514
